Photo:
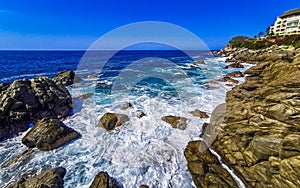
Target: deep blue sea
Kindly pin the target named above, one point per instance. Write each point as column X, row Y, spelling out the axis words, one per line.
column 143, row 151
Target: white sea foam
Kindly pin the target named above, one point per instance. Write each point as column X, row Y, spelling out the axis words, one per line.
column 143, row 151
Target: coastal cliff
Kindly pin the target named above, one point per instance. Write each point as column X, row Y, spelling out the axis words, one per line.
column 259, row 138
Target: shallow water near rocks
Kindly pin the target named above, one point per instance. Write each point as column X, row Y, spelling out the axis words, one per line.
column 144, row 150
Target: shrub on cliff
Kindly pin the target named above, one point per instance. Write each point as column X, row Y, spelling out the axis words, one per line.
column 238, row 41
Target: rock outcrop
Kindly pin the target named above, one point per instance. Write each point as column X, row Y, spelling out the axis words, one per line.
column 110, row 121
column 66, row 78
column 200, row 114
column 271, row 54
column 260, row 135
column 234, row 66
column 46, row 179
column 176, row 121
column 26, row 101
column 48, row 134
column 103, row 180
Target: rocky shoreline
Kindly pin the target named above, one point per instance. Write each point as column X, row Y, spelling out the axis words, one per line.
column 258, row 136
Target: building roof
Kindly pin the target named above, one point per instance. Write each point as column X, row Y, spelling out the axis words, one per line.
column 290, row 12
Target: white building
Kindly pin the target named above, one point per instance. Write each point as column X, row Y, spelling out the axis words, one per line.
column 287, row 24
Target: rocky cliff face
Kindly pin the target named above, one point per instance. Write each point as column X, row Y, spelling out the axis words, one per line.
column 259, row 137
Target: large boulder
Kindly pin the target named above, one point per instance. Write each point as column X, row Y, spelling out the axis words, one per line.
column 26, row 101
column 66, row 78
column 200, row 114
column 49, row 178
column 176, row 121
column 48, row 134
column 234, row 66
column 103, row 180
column 110, row 121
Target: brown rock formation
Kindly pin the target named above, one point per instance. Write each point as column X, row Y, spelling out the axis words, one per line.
column 48, row 178
column 48, row 134
column 110, row 121
column 103, row 180
column 260, row 135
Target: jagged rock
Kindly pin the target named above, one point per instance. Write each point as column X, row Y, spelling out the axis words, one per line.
column 92, row 76
column 65, row 78
column 48, row 178
column 228, row 79
column 25, row 101
column 110, row 121
column 84, row 96
column 176, row 122
column 259, row 137
column 205, row 168
column 103, row 180
column 200, row 114
column 235, row 74
column 234, row 66
column 48, row 134
column 21, row 158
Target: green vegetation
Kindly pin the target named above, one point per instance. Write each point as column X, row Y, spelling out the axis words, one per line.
column 238, row 41
column 259, row 43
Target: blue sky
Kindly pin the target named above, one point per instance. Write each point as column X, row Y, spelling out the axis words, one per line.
column 76, row 24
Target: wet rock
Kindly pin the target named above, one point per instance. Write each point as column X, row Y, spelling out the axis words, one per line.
column 141, row 114
column 48, row 178
column 235, row 74
column 64, row 78
column 126, row 106
column 205, row 168
column 48, row 134
column 200, row 114
column 259, row 136
column 228, row 79
column 84, row 96
column 110, row 121
column 92, row 76
column 176, row 122
column 21, row 158
column 25, row 101
column 103, row 180
column 234, row 66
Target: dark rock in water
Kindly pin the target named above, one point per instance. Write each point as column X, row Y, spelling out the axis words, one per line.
column 48, row 178
column 200, row 114
column 25, row 101
column 228, row 79
column 103, row 180
column 235, row 74
column 21, row 158
column 48, row 134
column 141, row 114
column 84, row 96
column 176, row 122
column 126, row 106
column 234, row 65
column 144, row 186
column 92, row 76
column 204, row 128
column 110, row 121
column 64, row 78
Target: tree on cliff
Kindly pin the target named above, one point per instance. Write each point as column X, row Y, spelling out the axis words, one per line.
column 238, row 41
